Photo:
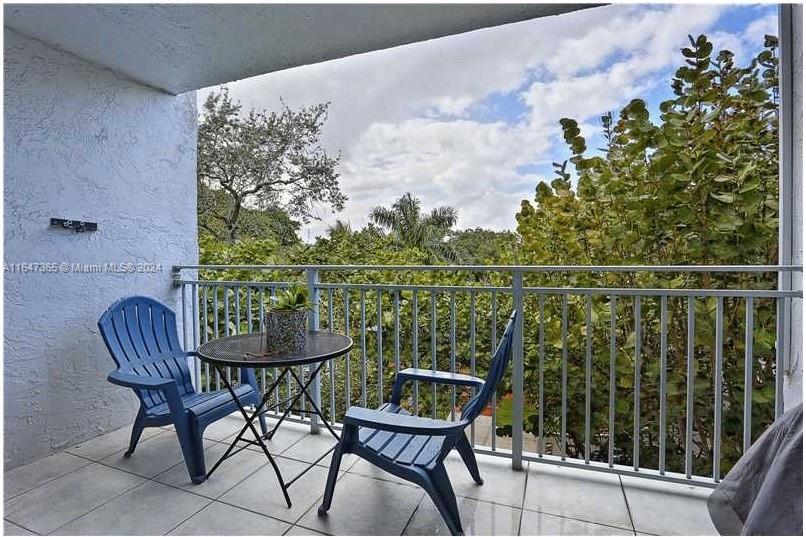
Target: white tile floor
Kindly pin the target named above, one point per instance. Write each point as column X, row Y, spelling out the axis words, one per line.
column 91, row 489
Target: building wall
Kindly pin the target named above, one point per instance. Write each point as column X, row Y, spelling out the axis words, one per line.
column 82, row 142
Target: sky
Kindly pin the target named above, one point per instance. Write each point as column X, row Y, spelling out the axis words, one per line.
column 471, row 120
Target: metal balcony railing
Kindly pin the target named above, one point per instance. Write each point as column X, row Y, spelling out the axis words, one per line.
column 665, row 372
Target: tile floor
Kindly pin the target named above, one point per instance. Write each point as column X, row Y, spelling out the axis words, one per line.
column 90, row 489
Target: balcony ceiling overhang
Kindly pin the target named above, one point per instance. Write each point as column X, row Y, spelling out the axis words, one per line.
column 179, row 48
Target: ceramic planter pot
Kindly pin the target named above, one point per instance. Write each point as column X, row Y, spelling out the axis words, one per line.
column 285, row 330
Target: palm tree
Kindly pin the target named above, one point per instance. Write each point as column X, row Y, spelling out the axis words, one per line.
column 410, row 227
column 339, row 228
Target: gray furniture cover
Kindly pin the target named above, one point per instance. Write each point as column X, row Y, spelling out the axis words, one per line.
column 763, row 493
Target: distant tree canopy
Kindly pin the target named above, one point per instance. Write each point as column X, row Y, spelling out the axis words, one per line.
column 263, row 161
column 412, row 228
column 480, row 246
column 271, row 223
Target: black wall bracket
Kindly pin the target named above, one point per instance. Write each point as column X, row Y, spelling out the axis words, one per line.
column 76, row 225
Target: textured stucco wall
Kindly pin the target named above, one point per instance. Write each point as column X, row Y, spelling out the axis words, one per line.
column 82, row 142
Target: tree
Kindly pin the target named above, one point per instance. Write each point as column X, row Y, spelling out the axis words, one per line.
column 262, row 160
column 405, row 221
column 699, row 188
column 340, row 228
column 271, row 223
column 480, row 246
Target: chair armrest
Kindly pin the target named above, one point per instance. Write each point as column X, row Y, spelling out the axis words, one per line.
column 437, row 377
column 167, row 386
column 138, row 381
column 400, row 423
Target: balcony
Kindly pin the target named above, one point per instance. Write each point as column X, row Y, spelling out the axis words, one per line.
column 683, row 405
column 632, row 390
column 562, row 475
column 91, row 489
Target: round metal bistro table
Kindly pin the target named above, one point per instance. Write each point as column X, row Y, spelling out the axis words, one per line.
column 247, row 350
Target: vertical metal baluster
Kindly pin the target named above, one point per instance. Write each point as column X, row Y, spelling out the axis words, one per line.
column 288, row 385
column 330, row 310
column 397, row 330
column 473, row 357
column 348, row 389
column 331, row 369
column 415, row 350
column 611, row 415
column 588, row 359
column 718, row 389
column 517, row 371
column 303, row 400
column 779, row 357
column 215, row 331
column 380, row 347
column 493, row 341
column 237, row 293
column 312, row 284
column 196, row 361
column 664, row 309
column 563, row 439
column 249, row 309
column 215, row 311
column 434, row 350
column 226, row 326
column 206, row 337
column 363, row 348
column 689, row 384
column 541, row 353
column 185, row 320
column 453, row 353
column 636, row 417
column 748, row 374
column 260, row 328
column 249, row 316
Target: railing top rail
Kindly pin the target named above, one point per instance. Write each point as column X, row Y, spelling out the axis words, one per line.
column 614, row 291
column 508, row 268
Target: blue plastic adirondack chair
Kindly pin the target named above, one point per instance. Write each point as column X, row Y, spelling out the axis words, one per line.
column 142, row 338
column 414, row 448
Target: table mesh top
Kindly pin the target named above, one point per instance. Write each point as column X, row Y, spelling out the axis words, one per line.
column 250, row 350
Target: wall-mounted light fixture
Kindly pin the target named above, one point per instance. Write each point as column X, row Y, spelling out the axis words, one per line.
column 78, row 226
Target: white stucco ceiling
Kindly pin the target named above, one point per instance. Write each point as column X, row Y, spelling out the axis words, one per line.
column 179, row 48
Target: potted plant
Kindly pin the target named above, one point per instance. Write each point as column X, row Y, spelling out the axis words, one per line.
column 285, row 322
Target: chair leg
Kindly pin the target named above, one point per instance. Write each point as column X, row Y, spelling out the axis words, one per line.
column 438, row 487
column 192, row 446
column 466, row 451
column 332, row 475
column 137, row 430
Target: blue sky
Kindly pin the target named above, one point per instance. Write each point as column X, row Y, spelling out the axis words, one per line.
column 471, row 120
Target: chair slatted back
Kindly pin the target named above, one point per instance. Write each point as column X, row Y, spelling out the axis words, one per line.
column 498, row 366
column 142, row 338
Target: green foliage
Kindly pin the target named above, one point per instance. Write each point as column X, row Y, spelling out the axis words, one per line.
column 412, row 229
column 259, row 224
column 294, row 298
column 700, row 187
column 482, row 246
column 262, row 161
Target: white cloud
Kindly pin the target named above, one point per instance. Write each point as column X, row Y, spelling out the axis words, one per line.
column 403, row 118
